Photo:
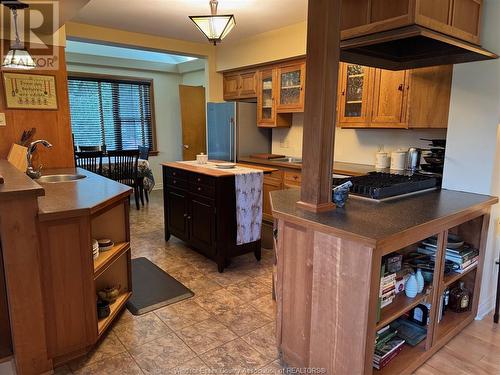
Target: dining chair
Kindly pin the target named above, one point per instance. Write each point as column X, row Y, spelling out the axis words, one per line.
column 91, row 161
column 123, row 168
column 143, row 152
column 144, row 155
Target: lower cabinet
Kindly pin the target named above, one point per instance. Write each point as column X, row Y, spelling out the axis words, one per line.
column 201, row 210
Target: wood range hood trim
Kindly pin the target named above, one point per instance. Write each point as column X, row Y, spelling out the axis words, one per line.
column 410, row 47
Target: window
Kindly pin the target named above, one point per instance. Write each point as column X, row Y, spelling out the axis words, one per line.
column 110, row 112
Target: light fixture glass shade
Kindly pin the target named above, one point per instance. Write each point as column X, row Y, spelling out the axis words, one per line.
column 214, row 27
column 18, row 58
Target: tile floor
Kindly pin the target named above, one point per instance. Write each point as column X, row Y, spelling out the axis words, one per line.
column 229, row 324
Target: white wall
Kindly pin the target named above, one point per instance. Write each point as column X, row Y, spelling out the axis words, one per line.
column 472, row 159
column 167, row 105
column 354, row 146
column 196, row 78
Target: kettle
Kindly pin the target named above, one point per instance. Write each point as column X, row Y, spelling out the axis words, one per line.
column 413, row 159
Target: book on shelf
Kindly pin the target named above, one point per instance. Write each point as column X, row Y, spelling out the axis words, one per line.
column 387, row 346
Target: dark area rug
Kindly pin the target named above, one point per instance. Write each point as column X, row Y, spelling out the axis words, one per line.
column 153, row 288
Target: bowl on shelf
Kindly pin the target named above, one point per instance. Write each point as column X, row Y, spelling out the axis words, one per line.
column 103, row 309
column 109, row 294
column 105, row 244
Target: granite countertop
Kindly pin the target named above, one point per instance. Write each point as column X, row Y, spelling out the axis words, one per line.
column 77, row 198
column 376, row 222
column 350, row 169
column 16, row 183
column 211, row 171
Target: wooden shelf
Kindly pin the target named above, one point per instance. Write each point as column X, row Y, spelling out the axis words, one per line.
column 408, row 356
column 450, row 322
column 115, row 309
column 398, row 307
column 354, row 102
column 455, row 276
column 107, row 258
column 291, row 87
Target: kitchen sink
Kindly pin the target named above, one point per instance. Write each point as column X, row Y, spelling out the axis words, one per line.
column 289, row 160
column 56, row 178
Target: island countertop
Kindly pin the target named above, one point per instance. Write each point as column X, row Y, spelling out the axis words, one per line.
column 81, row 197
column 211, row 171
column 380, row 223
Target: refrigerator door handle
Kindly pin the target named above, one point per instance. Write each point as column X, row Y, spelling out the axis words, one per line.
column 231, row 135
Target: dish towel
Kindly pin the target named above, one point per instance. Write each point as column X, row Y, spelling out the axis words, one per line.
column 248, row 206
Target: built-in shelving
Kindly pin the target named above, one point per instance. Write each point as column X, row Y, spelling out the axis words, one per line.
column 115, row 309
column 451, row 321
column 106, row 258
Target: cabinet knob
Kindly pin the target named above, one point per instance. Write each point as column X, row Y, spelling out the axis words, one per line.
column 199, row 179
column 401, row 87
column 189, row 217
column 175, row 181
column 174, row 173
column 199, row 189
column 185, row 215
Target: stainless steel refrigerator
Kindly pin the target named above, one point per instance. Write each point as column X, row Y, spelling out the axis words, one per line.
column 232, row 131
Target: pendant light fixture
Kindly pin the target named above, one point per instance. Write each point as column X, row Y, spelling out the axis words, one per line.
column 18, row 57
column 214, row 27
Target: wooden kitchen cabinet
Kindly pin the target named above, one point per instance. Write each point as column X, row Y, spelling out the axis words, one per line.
column 267, row 115
column 291, row 88
column 269, row 185
column 389, row 95
column 240, row 85
column 354, row 95
column 458, row 18
column 378, row 98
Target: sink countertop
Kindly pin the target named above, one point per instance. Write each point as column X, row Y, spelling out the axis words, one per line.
column 351, row 169
column 77, row 198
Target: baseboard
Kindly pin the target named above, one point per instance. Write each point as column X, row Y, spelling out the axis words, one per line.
column 486, row 307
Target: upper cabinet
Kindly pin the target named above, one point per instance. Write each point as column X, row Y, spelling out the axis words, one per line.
column 378, row 98
column 458, row 18
column 240, row 85
column 267, row 93
column 291, row 87
column 353, row 96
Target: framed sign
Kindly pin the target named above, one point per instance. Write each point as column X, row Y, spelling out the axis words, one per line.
column 30, row 91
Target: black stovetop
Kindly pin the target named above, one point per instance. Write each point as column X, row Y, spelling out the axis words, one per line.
column 379, row 185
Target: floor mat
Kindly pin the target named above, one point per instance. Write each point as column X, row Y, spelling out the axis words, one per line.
column 153, row 288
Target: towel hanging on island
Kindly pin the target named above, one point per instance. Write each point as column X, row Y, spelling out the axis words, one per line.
column 248, row 206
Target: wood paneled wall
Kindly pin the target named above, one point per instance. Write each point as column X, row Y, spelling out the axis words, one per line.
column 52, row 125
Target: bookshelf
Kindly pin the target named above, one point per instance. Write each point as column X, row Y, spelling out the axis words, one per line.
column 439, row 332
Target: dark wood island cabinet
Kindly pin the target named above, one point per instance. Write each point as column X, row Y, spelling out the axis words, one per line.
column 200, row 209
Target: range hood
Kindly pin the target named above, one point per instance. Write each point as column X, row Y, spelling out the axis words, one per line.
column 408, row 48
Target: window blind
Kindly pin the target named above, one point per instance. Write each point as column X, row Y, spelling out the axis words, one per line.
column 112, row 113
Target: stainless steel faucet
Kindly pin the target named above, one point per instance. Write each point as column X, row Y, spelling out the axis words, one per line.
column 31, row 171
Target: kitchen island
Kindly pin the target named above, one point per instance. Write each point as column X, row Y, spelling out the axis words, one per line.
column 200, row 209
column 52, row 278
column 329, row 270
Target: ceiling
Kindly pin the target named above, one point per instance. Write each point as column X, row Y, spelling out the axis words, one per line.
column 124, row 53
column 169, row 18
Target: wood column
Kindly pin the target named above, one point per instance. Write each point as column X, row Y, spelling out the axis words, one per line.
column 323, row 52
column 21, row 255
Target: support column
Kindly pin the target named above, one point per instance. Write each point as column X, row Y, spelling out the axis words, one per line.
column 323, row 52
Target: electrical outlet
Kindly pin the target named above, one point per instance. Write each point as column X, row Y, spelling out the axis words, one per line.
column 3, row 122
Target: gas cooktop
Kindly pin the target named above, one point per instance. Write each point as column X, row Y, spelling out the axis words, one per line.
column 383, row 186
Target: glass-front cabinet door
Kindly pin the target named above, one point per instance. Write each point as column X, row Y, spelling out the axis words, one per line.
column 353, row 96
column 265, row 99
column 291, row 88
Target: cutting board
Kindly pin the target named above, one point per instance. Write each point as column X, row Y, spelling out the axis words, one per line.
column 17, row 157
column 267, row 156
